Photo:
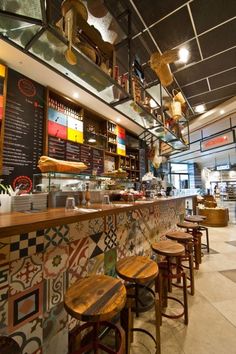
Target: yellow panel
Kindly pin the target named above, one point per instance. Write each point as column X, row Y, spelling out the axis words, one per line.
column 121, row 151
column 2, row 70
column 74, row 135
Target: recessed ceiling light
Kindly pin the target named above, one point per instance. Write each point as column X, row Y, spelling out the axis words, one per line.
column 200, row 108
column 222, row 111
column 183, row 55
column 118, row 120
column 75, row 95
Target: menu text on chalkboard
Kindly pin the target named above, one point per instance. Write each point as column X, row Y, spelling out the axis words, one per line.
column 23, row 133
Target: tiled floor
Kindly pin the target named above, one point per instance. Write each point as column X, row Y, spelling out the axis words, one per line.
column 212, row 310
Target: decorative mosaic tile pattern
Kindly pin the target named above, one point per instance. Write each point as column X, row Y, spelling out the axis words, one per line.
column 3, row 315
column 56, row 236
column 122, row 251
column 78, row 259
column 58, row 344
column 30, row 336
column 110, row 239
column 96, row 244
column 4, row 250
column 79, row 230
column 54, row 321
column 4, row 280
column 121, row 219
column 72, row 323
column 25, row 273
column 25, row 307
column 110, row 258
column 25, row 245
column 54, row 290
column 56, row 261
column 96, row 226
column 96, row 264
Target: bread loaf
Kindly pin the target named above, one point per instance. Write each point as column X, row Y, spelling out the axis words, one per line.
column 48, row 164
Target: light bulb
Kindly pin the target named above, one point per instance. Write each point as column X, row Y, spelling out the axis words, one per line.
column 183, row 55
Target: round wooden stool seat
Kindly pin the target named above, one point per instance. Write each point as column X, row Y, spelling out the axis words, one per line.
column 95, row 298
column 138, row 272
column 168, row 248
column 8, row 346
column 173, row 252
column 194, row 218
column 187, row 240
column 137, row 269
column 187, row 225
column 179, row 236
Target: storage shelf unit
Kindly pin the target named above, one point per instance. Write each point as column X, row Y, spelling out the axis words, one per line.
column 47, row 42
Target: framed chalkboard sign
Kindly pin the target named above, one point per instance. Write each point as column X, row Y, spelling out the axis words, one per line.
column 23, row 130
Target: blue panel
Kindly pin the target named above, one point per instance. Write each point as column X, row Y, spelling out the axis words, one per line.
column 57, row 117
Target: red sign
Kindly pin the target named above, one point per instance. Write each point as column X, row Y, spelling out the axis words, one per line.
column 218, row 141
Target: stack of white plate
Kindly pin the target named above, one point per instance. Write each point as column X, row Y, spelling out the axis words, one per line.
column 39, row 200
column 21, row 202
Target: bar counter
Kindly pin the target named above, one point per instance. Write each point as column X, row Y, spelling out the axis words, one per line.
column 43, row 253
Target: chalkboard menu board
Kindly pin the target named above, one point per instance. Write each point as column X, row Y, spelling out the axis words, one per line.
column 142, row 162
column 56, row 148
column 23, row 133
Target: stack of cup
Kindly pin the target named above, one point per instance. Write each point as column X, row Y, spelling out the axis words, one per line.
column 5, row 203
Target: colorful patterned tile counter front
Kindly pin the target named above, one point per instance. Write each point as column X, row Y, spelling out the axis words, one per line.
column 36, row 268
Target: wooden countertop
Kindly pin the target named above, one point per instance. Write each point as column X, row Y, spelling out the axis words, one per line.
column 21, row 222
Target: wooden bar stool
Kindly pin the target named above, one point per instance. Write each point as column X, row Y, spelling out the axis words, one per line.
column 192, row 228
column 170, row 250
column 199, row 219
column 9, row 346
column 138, row 271
column 187, row 241
column 96, row 300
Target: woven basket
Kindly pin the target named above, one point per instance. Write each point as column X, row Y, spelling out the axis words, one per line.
column 175, row 109
column 178, row 96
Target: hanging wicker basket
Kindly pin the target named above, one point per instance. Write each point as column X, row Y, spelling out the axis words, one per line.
column 175, row 109
column 178, row 96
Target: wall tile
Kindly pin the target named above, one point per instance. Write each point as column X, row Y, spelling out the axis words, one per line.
column 25, row 273
column 96, row 244
column 5, row 250
column 24, row 307
column 96, row 264
column 27, row 244
column 54, row 290
column 78, row 259
column 54, row 321
column 79, row 230
column 30, row 336
column 58, row 344
column 110, row 258
column 56, row 261
column 3, row 315
column 56, row 236
column 96, row 226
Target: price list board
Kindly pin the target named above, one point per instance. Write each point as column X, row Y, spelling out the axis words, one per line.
column 98, row 161
column 23, row 130
column 56, row 148
column 142, row 162
column 73, row 152
column 86, row 157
